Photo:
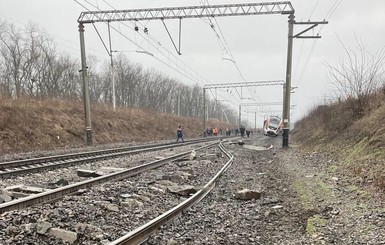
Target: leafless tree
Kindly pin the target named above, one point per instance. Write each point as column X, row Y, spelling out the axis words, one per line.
column 32, row 65
column 357, row 76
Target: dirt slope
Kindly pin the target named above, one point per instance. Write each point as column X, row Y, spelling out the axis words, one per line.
column 30, row 125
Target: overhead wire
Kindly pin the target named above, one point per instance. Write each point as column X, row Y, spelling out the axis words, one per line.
column 327, row 17
column 222, row 41
column 171, row 54
column 224, row 44
column 185, row 74
column 156, row 46
column 163, row 62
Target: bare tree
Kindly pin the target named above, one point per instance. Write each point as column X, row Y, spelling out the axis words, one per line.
column 358, row 76
column 31, row 65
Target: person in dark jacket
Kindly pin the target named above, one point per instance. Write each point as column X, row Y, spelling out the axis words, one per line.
column 179, row 134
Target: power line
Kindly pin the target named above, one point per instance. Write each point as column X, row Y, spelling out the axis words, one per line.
column 222, row 41
column 186, row 74
column 327, row 17
column 156, row 46
column 312, row 12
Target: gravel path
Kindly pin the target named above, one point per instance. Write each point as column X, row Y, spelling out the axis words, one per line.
column 303, row 202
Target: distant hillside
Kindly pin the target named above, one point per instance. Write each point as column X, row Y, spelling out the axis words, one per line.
column 27, row 125
column 350, row 132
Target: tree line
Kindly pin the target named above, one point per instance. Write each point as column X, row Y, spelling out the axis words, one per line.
column 32, row 65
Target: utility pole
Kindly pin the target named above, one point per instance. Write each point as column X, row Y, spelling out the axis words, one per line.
column 287, row 87
column 239, row 117
column 86, row 94
column 179, row 99
column 112, row 73
column 204, row 112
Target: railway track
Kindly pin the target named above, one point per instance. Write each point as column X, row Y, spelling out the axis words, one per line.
column 52, row 195
column 142, row 233
column 12, row 168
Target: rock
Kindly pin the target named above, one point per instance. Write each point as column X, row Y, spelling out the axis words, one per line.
column 29, row 228
column 247, row 194
column 67, row 236
column 193, row 155
column 177, row 177
column 182, row 163
column 183, row 190
column 112, row 207
column 87, row 173
column 205, row 162
column 81, row 192
column 5, row 198
column 125, row 195
column 60, row 182
column 165, row 182
column 131, row 203
column 7, row 192
column 187, row 170
column 277, row 207
column 42, row 227
column 335, row 212
column 94, row 231
column 17, row 195
column 143, row 198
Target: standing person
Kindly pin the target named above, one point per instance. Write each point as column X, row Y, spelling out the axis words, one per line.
column 179, row 134
column 242, row 130
column 248, row 133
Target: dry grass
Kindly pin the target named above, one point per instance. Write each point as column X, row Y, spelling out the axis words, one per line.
column 27, row 125
column 356, row 140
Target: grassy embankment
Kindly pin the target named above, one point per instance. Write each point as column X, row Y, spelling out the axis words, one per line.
column 352, row 133
column 31, row 125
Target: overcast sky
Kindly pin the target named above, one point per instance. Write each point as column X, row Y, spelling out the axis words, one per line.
column 258, row 44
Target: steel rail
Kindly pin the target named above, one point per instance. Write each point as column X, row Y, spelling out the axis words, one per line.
column 52, row 195
column 49, row 162
column 142, row 233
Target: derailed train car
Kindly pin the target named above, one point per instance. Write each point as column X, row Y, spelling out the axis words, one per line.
column 272, row 126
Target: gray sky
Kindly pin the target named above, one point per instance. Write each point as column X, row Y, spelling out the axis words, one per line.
column 258, row 43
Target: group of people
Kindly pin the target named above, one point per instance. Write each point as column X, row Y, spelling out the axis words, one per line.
column 214, row 132
column 238, row 131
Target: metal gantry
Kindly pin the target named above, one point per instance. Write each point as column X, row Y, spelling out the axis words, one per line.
column 108, row 16
column 235, row 85
column 180, row 13
column 256, row 104
column 187, row 12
